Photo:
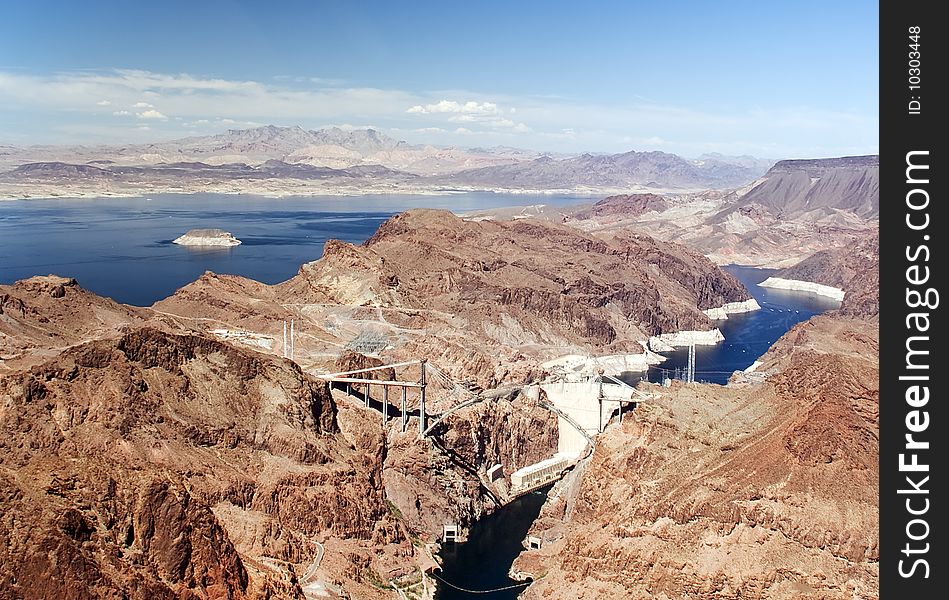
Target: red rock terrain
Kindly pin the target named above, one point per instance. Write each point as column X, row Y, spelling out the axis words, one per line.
column 624, row 206
column 172, row 451
column 766, row 488
column 163, row 465
column 42, row 314
column 763, row 491
column 855, row 268
column 497, row 298
column 798, row 208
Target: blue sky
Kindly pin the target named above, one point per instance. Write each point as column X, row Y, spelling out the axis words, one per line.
column 764, row 78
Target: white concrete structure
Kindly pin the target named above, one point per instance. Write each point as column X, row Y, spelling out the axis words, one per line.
column 665, row 342
column 612, row 363
column 580, row 400
column 541, row 472
column 803, row 286
column 732, row 308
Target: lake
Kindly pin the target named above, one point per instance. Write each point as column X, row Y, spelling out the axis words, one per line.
column 747, row 335
column 121, row 247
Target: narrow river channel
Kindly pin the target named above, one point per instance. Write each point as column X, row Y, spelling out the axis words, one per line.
column 483, row 561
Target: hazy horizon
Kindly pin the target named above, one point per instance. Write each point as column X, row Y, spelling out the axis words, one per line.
column 684, row 77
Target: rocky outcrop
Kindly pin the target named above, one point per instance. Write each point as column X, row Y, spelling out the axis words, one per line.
column 624, row 205
column 510, row 433
column 853, row 269
column 168, row 465
column 42, row 314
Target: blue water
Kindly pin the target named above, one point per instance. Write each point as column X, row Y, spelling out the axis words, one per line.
column 747, row 335
column 121, row 247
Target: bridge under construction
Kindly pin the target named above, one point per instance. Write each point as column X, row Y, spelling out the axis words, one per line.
column 584, row 405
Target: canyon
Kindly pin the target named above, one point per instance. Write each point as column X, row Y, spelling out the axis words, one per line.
column 183, row 450
column 765, row 488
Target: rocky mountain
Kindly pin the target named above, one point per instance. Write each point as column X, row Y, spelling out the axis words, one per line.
column 527, row 288
column 41, row 315
column 331, row 147
column 794, row 189
column 645, row 169
column 167, row 465
column 623, row 206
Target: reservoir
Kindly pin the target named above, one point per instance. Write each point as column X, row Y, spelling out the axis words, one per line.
column 121, row 247
column 747, row 335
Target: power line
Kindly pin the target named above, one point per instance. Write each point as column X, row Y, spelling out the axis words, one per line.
column 461, row 589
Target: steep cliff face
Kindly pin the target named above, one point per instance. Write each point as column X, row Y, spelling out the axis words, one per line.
column 768, row 490
column 793, row 188
column 512, row 433
column 166, row 465
column 445, row 481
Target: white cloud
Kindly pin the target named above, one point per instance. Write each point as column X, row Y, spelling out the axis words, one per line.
column 142, row 105
column 151, row 114
column 121, row 113
column 487, row 114
column 103, row 103
column 450, row 106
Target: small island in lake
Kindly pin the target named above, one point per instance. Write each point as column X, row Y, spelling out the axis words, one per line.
column 207, row 237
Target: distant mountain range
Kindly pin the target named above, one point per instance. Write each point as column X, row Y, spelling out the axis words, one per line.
column 293, row 153
column 646, row 169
